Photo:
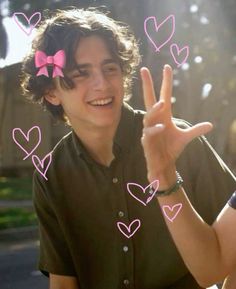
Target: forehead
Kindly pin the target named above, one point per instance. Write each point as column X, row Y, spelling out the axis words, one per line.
column 92, row 49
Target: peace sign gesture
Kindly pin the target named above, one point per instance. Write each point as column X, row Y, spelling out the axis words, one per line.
column 162, row 140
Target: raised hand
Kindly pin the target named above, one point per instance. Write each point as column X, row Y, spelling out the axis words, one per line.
column 162, row 140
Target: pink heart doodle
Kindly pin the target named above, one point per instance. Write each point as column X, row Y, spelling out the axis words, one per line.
column 157, row 27
column 138, row 224
column 41, row 163
column 178, row 207
column 27, row 138
column 178, row 51
column 22, row 27
column 154, row 184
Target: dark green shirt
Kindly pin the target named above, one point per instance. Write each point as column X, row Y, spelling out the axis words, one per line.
column 79, row 206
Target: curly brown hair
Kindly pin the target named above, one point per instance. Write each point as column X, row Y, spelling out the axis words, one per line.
column 63, row 30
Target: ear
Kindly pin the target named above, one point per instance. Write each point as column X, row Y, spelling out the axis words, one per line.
column 52, row 98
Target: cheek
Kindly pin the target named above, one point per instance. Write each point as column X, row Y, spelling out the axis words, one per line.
column 120, row 84
column 69, row 99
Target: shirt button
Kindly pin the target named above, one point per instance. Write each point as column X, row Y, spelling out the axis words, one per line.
column 126, row 282
column 115, row 180
column 125, row 248
column 121, row 214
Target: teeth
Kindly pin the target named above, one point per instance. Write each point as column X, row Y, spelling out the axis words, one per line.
column 101, row 101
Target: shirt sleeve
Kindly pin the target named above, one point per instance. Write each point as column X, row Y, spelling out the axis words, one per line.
column 232, row 201
column 54, row 255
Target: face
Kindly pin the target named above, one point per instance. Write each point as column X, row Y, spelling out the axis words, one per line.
column 96, row 99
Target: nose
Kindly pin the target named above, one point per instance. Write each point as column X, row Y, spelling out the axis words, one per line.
column 99, row 81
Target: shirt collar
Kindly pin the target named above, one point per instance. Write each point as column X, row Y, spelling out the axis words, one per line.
column 125, row 130
column 124, row 133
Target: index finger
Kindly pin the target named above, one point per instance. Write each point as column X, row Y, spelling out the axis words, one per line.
column 148, row 89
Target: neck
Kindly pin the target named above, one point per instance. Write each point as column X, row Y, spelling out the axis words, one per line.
column 98, row 142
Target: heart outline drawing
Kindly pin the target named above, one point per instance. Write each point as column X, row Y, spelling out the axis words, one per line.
column 119, row 224
column 178, row 51
column 154, row 184
column 41, row 162
column 171, row 208
column 157, row 27
column 21, row 26
column 27, row 138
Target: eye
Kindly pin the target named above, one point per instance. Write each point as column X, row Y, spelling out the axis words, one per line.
column 111, row 68
column 80, row 73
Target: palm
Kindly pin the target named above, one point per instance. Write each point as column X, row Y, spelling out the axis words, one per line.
column 162, row 140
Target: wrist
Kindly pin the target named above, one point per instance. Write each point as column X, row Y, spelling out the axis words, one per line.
column 166, row 178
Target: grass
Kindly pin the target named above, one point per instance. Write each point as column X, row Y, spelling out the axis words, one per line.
column 15, row 188
column 17, row 217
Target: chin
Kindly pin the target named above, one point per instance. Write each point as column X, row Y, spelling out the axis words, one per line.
column 105, row 123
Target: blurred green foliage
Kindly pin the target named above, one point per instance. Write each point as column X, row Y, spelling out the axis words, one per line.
column 17, row 217
column 15, row 188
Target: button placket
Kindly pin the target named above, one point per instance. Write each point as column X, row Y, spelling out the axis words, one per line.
column 122, row 216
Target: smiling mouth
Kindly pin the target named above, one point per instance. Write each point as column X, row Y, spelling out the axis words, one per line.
column 102, row 102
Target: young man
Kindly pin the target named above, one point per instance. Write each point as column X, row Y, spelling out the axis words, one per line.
column 96, row 229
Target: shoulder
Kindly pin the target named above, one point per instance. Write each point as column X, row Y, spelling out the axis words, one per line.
column 66, row 142
column 65, row 151
column 62, row 154
column 48, row 172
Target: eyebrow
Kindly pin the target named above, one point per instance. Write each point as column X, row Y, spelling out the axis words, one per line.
column 79, row 66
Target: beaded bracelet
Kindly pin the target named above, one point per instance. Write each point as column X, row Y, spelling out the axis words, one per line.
column 173, row 189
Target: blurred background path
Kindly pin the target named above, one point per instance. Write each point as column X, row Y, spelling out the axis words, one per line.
column 18, row 266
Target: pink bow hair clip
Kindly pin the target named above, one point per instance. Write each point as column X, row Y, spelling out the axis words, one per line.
column 57, row 61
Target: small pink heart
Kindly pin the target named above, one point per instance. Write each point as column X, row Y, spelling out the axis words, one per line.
column 41, row 163
column 36, row 15
column 151, row 188
column 174, row 210
column 175, row 51
column 17, row 129
column 129, row 233
column 169, row 20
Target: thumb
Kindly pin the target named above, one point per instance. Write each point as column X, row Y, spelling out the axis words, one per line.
column 197, row 130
